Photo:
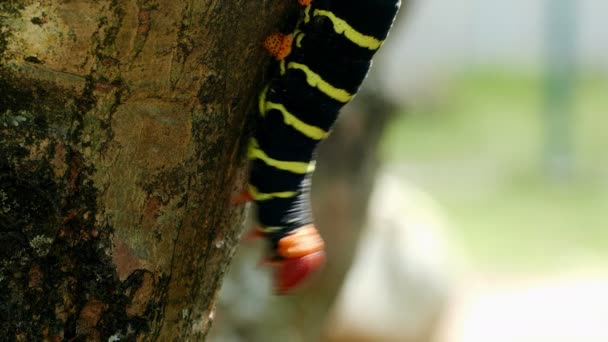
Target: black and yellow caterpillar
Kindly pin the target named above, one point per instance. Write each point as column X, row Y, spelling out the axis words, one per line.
column 322, row 64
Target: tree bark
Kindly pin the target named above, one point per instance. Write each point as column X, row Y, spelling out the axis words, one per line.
column 121, row 139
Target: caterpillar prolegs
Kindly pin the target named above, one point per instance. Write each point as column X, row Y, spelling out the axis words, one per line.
column 321, row 66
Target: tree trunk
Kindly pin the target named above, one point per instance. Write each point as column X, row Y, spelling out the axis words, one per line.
column 121, row 140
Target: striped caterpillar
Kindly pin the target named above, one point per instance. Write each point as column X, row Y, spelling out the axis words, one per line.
column 322, row 64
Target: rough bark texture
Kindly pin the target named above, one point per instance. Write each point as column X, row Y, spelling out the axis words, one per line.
column 121, row 139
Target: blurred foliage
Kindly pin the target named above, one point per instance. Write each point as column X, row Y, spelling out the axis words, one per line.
column 479, row 151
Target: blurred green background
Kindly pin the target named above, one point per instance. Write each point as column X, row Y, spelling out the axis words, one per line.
column 481, row 151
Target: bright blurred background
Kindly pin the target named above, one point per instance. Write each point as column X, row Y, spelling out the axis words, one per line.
column 488, row 220
column 511, row 135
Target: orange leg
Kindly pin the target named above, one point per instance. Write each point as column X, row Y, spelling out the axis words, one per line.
column 279, row 45
column 243, row 197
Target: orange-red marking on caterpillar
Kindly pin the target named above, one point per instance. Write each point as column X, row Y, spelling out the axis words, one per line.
column 302, row 253
column 291, row 272
column 303, row 241
column 279, row 45
column 304, row 2
column 299, row 255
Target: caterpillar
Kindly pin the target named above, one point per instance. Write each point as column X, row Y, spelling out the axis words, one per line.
column 322, row 64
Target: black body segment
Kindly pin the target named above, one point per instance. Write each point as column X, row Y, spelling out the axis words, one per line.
column 331, row 55
column 370, row 17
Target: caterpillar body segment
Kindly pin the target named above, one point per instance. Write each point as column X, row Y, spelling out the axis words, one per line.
column 322, row 65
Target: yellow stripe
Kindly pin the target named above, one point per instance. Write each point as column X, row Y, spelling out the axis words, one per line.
column 299, row 36
column 307, row 14
column 342, row 27
column 259, row 196
column 294, row 167
column 262, row 100
column 270, row 229
column 308, row 130
column 314, row 80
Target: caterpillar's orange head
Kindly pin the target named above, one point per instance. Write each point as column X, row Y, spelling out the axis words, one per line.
column 304, row 2
column 303, row 253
